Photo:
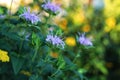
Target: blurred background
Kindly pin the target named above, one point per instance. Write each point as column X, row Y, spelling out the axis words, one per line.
column 100, row 19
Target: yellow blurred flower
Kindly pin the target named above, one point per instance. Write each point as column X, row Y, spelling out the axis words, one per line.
column 26, row 2
column 78, row 17
column 61, row 22
column 54, row 54
column 64, row 3
column 112, row 8
column 70, row 41
column 35, row 8
column 4, row 56
column 111, row 23
column 27, row 73
column 86, row 28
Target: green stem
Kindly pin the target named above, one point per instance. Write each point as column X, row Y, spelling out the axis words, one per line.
column 46, row 22
column 76, row 58
column 57, row 69
column 35, row 54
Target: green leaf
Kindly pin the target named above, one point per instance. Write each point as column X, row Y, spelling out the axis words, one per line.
column 40, row 63
column 48, row 68
column 21, row 10
column 100, row 65
column 37, row 27
column 17, row 63
column 3, row 10
column 61, row 63
column 59, row 32
column 35, row 40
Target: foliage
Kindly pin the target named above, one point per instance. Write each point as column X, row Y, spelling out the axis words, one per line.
column 76, row 40
column 32, row 55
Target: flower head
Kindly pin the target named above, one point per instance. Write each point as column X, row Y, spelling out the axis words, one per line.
column 70, row 41
column 3, row 56
column 51, row 7
column 84, row 41
column 55, row 40
column 54, row 54
column 30, row 16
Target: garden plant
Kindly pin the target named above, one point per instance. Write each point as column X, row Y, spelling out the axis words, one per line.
column 59, row 40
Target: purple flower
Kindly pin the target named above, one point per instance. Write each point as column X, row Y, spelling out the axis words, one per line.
column 2, row 16
column 30, row 16
column 55, row 40
column 84, row 41
column 52, row 7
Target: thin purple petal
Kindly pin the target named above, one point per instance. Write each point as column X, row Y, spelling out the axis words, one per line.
column 30, row 16
column 84, row 41
column 55, row 40
column 51, row 6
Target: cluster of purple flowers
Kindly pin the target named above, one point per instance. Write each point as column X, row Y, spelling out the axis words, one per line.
column 55, row 40
column 84, row 41
column 30, row 16
column 51, row 7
